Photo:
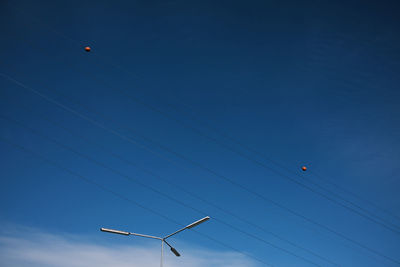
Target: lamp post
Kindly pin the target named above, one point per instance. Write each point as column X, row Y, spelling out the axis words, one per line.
column 162, row 239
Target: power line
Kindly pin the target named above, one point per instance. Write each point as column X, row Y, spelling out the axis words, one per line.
column 364, row 213
column 180, row 188
column 92, row 182
column 209, row 170
column 252, row 150
column 370, row 216
column 262, row 155
column 137, row 181
column 313, row 172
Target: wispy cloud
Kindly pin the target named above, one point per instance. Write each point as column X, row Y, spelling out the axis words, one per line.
column 34, row 248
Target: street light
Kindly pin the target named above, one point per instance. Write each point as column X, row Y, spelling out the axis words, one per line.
column 163, row 239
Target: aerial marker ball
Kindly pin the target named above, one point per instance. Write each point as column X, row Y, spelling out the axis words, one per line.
column 304, row 168
column 87, row 49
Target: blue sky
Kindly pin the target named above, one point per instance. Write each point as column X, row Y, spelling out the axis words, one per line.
column 184, row 104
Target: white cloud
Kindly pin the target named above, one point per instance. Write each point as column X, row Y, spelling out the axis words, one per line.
column 34, row 248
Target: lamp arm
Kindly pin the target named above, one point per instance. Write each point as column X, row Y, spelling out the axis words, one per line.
column 174, row 233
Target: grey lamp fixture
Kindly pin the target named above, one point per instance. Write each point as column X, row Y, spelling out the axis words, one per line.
column 162, row 239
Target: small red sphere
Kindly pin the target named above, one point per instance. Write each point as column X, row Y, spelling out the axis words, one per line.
column 304, row 168
column 87, row 49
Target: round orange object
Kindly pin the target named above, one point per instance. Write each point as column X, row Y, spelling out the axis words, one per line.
column 87, row 49
column 304, row 168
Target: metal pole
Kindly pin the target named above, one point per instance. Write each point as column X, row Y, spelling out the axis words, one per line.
column 162, row 252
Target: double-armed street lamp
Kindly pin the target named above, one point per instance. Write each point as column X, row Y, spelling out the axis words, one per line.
column 162, row 239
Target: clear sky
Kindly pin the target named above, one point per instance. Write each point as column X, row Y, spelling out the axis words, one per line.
column 184, row 109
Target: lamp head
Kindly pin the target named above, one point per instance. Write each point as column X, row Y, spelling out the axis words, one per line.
column 175, row 252
column 114, row 231
column 198, row 222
